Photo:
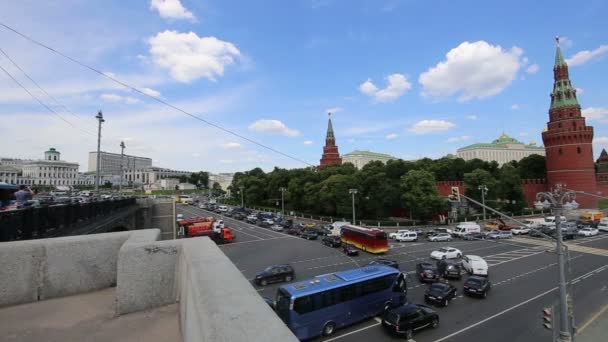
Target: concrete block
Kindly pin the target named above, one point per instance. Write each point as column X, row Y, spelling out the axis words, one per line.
column 146, row 275
column 20, row 273
column 214, row 293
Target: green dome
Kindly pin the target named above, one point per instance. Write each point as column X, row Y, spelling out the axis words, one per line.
column 505, row 139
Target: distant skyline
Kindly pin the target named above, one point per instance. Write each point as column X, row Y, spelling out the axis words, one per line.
column 406, row 78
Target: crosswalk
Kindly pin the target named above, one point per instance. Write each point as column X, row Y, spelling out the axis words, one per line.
column 572, row 246
column 501, row 258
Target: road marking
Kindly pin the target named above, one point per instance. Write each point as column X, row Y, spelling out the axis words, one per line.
column 509, row 309
column 261, row 240
column 353, row 332
column 592, row 319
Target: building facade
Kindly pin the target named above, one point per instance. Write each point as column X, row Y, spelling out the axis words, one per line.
column 568, row 139
column 110, row 162
column 223, row 179
column 360, row 158
column 502, row 150
column 50, row 171
column 330, row 156
column 9, row 174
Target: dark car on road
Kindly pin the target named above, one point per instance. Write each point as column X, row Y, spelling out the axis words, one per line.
column 427, row 272
column 319, row 230
column 408, row 318
column 440, row 293
column 449, row 268
column 350, row 250
column 294, row 231
column 385, row 262
column 332, row 241
column 309, row 235
column 474, row 236
column 477, row 286
column 273, row 274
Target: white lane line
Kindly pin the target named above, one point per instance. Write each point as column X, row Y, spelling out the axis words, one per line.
column 261, row 240
column 353, row 332
column 508, row 309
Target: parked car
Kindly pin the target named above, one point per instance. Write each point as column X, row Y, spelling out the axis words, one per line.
column 446, row 253
column 406, row 319
column 319, row 231
column 253, row 219
column 350, row 250
column 475, row 265
column 477, row 286
column 449, row 268
column 385, row 262
column 603, row 224
column 275, row 273
column 426, row 272
column 440, row 237
column 588, row 231
column 440, row 293
column 500, row 234
column 332, row 241
column 294, row 231
column 276, row 227
column 407, row 237
column 394, row 234
column 308, row 235
column 466, row 228
column 520, row 230
column 474, row 236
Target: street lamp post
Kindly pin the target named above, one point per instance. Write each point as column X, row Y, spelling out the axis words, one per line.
column 484, row 190
column 122, row 168
column 100, row 119
column 242, row 188
column 559, row 200
column 353, row 192
column 282, row 189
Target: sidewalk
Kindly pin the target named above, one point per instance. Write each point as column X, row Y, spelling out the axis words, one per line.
column 596, row 329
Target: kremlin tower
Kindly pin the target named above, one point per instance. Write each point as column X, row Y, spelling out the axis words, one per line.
column 330, row 150
column 567, row 139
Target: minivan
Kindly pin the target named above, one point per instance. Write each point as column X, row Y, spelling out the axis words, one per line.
column 222, row 208
column 466, row 228
column 407, row 236
column 475, row 265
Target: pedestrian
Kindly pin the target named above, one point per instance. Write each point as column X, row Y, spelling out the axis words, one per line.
column 23, row 195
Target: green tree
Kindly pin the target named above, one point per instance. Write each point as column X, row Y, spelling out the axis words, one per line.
column 533, row 167
column 420, row 194
column 478, row 177
column 334, row 197
column 200, row 179
column 509, row 190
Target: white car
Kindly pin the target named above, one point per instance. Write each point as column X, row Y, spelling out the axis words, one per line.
column 407, row 236
column 269, row 222
column 180, row 217
column 588, row 231
column 394, row 235
column 446, row 253
column 603, row 225
column 440, row 237
column 520, row 230
column 277, row 227
column 475, row 265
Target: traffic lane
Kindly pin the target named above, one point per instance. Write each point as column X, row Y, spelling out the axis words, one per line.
column 466, row 311
column 233, row 222
column 599, row 241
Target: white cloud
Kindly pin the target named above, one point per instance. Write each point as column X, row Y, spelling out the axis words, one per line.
column 514, row 106
column 392, row 136
column 523, row 134
column 231, row 145
column 190, row 57
column 307, row 142
column 471, row 117
column 273, row 127
column 396, row 87
column 458, row 139
column 565, row 42
column 430, row 126
column 533, row 69
column 334, row 110
column 600, row 140
column 585, row 56
column 171, row 9
column 595, row 113
column 150, row 91
column 110, row 97
column 196, row 155
column 580, row 91
column 472, row 70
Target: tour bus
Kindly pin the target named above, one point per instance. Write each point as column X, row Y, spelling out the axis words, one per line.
column 321, row 305
column 372, row 240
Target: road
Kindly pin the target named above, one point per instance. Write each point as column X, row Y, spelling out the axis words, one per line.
column 523, row 274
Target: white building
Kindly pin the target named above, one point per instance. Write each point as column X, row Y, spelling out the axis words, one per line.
column 502, row 150
column 9, row 174
column 360, row 158
column 110, row 162
column 223, row 179
column 51, row 171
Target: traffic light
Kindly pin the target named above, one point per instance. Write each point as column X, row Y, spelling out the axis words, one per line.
column 455, row 194
column 547, row 319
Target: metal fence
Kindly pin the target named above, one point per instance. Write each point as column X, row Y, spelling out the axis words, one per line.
column 36, row 223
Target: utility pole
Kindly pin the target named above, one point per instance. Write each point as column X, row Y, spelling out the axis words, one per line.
column 100, row 119
column 242, row 188
column 484, row 190
column 282, row 189
column 353, row 192
column 122, row 168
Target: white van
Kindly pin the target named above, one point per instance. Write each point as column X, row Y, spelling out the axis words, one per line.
column 466, row 228
column 407, row 236
column 335, row 227
column 550, row 221
column 475, row 265
column 222, row 208
column 534, row 222
column 394, row 235
column 603, row 225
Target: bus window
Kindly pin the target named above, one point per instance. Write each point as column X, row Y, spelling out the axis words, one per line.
column 400, row 285
column 303, row 305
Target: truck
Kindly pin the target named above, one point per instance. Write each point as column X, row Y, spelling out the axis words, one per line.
column 206, row 226
column 591, row 217
column 498, row 224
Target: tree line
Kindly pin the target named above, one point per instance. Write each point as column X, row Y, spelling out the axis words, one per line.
column 399, row 187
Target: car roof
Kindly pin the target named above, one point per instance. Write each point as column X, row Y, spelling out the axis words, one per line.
column 440, row 285
column 473, row 277
column 426, row 264
column 474, row 257
column 405, row 309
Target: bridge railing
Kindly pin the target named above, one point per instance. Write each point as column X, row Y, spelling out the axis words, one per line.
column 41, row 222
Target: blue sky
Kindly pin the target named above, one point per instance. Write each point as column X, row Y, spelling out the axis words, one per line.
column 409, row 78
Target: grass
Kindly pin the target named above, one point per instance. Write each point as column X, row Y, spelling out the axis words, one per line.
column 603, row 204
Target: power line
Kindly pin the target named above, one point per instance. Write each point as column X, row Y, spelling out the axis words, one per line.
column 159, row 100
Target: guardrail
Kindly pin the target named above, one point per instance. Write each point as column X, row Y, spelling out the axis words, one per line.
column 36, row 223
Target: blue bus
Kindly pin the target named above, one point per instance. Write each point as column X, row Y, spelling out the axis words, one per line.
column 321, row 305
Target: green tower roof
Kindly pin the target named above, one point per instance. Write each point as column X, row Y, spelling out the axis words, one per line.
column 559, row 57
column 564, row 94
column 330, row 128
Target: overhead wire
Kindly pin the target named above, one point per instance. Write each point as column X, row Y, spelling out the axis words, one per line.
column 157, row 99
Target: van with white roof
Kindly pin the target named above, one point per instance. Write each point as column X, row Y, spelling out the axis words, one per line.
column 466, row 228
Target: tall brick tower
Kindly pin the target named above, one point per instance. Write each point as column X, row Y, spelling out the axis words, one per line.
column 567, row 139
column 330, row 150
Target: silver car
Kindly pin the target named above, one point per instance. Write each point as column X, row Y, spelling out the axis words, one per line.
column 440, row 237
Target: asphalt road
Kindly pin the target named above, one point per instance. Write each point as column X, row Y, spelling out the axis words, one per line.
column 524, row 278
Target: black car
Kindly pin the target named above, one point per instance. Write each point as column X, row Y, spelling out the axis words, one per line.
column 309, row 235
column 294, row 231
column 474, row 236
column 320, row 231
column 477, row 286
column 273, row 274
column 449, row 268
column 332, row 241
column 408, row 318
column 386, row 262
column 440, row 293
column 350, row 250
column 427, row 272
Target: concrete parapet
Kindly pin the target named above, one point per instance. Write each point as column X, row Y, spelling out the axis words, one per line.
column 217, row 303
column 20, row 272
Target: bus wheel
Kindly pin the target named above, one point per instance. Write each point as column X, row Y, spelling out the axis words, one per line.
column 329, row 329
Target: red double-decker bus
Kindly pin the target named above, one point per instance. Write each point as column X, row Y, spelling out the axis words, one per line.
column 371, row 240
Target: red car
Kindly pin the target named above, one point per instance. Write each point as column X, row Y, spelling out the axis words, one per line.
column 350, row 250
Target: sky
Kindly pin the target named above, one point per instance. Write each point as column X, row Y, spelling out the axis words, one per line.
column 408, row 78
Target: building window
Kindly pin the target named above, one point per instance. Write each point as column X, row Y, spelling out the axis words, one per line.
column 560, row 152
column 574, row 124
column 559, row 125
column 578, row 150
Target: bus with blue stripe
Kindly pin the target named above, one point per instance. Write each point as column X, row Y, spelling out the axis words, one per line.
column 320, row 305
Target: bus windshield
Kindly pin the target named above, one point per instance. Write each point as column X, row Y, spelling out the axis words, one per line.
column 282, row 305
